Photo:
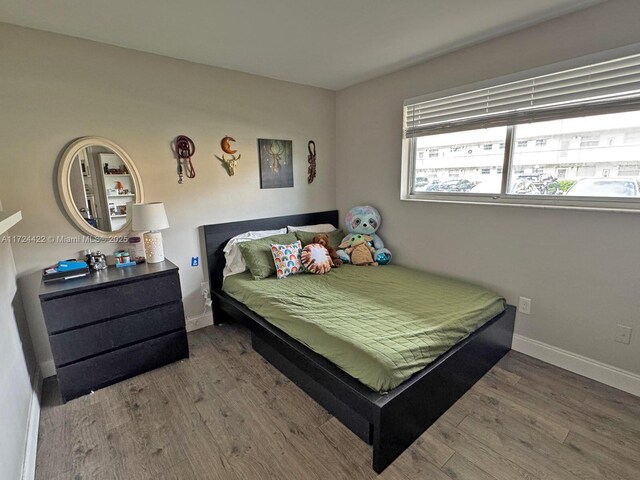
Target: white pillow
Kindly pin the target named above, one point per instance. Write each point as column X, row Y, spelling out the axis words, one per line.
column 234, row 263
column 317, row 228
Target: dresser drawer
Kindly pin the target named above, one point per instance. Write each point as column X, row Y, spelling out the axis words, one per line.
column 81, row 377
column 75, row 310
column 94, row 339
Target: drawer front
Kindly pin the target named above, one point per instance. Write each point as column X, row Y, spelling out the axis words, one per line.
column 87, row 307
column 84, row 342
column 82, row 377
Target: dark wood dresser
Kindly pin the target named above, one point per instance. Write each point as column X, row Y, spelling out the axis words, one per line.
column 114, row 324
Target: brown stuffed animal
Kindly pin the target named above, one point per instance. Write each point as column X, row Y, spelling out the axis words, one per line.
column 323, row 239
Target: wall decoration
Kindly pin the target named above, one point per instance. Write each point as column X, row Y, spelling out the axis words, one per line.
column 276, row 163
column 184, row 150
column 229, row 163
column 311, row 146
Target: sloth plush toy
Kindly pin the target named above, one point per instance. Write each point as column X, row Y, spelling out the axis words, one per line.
column 365, row 220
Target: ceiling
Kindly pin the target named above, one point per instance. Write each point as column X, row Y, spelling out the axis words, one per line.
column 326, row 43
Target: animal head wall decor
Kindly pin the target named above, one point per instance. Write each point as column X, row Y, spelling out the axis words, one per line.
column 229, row 163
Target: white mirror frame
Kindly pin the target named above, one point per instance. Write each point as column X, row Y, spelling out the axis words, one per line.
column 64, row 184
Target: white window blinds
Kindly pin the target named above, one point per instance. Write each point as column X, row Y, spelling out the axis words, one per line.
column 602, row 87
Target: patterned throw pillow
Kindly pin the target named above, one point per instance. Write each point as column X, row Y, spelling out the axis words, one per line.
column 286, row 258
column 315, row 259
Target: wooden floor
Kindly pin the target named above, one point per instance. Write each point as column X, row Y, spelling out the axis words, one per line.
column 225, row 413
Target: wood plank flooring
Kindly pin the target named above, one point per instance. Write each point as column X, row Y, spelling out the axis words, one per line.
column 225, row 413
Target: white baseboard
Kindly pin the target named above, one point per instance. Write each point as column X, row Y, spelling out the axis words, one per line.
column 47, row 368
column 31, row 448
column 199, row 321
column 587, row 367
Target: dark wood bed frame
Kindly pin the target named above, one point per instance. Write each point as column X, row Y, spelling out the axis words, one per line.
column 390, row 422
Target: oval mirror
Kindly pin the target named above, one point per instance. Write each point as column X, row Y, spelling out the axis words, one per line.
column 96, row 181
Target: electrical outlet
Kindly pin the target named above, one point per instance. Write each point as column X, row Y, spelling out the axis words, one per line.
column 204, row 289
column 524, row 306
column 623, row 334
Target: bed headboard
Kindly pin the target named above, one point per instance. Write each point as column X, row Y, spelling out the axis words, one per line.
column 216, row 236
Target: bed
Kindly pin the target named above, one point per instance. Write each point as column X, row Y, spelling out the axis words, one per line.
column 392, row 377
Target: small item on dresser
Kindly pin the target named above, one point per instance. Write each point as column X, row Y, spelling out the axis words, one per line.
column 312, row 161
column 126, row 264
column 136, row 247
column 184, row 150
column 70, row 269
column 122, row 256
column 71, row 265
column 96, row 261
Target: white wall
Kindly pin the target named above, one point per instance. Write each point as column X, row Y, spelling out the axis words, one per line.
column 16, row 366
column 54, row 89
column 582, row 269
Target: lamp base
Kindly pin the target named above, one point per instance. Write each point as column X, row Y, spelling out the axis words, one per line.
column 153, row 248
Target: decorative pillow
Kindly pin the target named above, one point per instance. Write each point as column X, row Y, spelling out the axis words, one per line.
column 257, row 254
column 286, row 258
column 335, row 238
column 317, row 228
column 234, row 263
column 315, row 259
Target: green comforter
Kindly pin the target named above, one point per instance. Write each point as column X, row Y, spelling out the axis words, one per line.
column 379, row 324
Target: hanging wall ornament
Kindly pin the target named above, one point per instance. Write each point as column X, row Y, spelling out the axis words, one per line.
column 184, row 150
column 311, row 146
column 229, row 163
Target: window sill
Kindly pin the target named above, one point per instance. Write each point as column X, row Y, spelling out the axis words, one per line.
column 527, row 202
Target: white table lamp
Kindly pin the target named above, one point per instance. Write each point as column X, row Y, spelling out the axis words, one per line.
column 150, row 217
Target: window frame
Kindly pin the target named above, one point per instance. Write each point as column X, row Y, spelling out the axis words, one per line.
column 506, row 199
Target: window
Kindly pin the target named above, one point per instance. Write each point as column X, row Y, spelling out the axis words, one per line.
column 459, row 168
column 570, row 138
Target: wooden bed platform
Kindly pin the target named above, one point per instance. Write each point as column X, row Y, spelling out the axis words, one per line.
column 390, row 422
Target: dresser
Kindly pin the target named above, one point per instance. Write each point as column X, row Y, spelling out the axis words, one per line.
column 114, row 324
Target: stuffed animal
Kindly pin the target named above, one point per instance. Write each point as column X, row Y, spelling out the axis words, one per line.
column 323, row 239
column 359, row 250
column 365, row 220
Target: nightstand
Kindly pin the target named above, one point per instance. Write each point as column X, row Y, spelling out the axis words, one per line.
column 114, row 324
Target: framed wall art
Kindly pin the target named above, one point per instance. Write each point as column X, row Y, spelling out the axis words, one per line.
column 276, row 163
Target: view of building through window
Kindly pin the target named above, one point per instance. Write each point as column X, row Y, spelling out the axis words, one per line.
column 596, row 156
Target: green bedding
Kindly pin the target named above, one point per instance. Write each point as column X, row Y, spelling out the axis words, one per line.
column 379, row 324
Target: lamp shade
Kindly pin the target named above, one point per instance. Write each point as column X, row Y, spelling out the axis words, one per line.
column 148, row 216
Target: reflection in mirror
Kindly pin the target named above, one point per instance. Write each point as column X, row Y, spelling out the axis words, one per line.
column 101, row 186
column 96, row 182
